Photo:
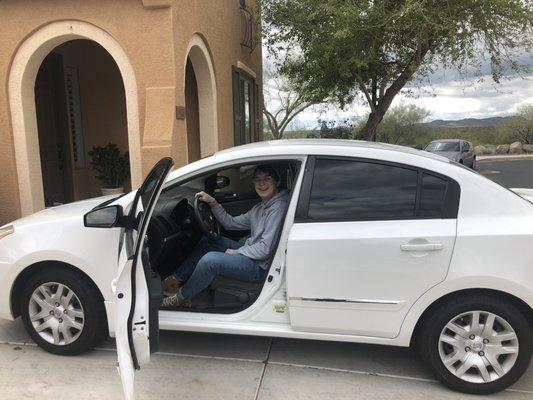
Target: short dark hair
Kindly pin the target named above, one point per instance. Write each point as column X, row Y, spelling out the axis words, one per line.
column 267, row 169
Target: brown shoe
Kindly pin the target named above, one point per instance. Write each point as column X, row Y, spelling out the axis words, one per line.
column 175, row 301
column 171, row 285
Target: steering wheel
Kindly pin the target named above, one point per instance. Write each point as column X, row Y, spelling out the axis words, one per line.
column 206, row 220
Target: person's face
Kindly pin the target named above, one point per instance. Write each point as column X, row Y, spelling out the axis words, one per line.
column 265, row 186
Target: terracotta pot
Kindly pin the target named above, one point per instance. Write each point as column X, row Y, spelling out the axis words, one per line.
column 107, row 192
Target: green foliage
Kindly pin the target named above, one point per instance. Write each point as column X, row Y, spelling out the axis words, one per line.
column 522, row 124
column 401, row 124
column 112, row 168
column 371, row 49
column 345, row 129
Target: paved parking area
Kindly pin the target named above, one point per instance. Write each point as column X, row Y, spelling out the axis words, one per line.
column 511, row 173
column 204, row 366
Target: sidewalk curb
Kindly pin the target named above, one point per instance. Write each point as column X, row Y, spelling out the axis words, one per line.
column 501, row 157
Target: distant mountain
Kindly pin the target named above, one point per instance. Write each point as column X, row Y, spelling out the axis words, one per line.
column 468, row 122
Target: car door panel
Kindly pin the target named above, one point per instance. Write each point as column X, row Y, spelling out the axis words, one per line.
column 369, row 238
column 354, row 277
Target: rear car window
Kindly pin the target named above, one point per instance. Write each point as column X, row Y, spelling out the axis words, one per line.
column 432, row 196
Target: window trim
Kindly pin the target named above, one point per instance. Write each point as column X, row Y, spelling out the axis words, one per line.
column 239, row 134
column 451, row 197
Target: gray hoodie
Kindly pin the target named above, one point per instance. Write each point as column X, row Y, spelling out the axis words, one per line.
column 263, row 221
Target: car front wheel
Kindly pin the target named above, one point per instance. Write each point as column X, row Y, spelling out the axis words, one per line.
column 62, row 311
column 477, row 344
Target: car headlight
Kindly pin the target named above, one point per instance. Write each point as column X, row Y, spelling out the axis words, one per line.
column 6, row 230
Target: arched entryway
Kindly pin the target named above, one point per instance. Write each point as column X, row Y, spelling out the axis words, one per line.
column 200, row 101
column 80, row 105
column 63, row 39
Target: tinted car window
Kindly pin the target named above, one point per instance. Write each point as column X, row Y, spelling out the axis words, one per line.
column 432, row 196
column 356, row 190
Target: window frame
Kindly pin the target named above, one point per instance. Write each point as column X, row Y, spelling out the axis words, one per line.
column 451, row 198
column 239, row 107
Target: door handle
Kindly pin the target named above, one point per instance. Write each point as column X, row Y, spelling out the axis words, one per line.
column 421, row 247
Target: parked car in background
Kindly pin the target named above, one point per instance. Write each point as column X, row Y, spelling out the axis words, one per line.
column 380, row 244
column 457, row 150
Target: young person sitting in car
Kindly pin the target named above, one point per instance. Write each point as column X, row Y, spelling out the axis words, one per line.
column 226, row 257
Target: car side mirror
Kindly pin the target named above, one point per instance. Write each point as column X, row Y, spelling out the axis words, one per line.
column 105, row 217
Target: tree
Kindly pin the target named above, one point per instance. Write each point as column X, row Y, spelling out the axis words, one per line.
column 372, row 49
column 344, row 129
column 522, row 124
column 401, row 124
column 282, row 102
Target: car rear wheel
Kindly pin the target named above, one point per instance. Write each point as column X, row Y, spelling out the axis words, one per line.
column 62, row 311
column 477, row 344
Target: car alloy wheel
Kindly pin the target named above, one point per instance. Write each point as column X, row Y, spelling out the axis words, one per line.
column 62, row 310
column 476, row 343
column 478, row 346
column 56, row 313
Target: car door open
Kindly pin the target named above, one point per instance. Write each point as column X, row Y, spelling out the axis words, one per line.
column 137, row 290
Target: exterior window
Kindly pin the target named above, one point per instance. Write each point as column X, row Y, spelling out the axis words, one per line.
column 245, row 108
column 357, row 190
column 432, row 196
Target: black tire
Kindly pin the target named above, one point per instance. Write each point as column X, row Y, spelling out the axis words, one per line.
column 428, row 341
column 94, row 327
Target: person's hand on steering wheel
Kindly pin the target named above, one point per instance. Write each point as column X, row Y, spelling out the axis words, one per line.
column 206, row 198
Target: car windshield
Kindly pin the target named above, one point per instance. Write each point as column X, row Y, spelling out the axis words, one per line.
column 443, row 146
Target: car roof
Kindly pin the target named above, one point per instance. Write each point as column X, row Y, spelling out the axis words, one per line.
column 447, row 140
column 301, row 144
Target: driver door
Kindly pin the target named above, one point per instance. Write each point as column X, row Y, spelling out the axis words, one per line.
column 136, row 288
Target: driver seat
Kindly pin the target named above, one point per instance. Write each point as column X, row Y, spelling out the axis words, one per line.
column 232, row 293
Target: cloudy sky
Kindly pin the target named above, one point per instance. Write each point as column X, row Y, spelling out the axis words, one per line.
column 449, row 97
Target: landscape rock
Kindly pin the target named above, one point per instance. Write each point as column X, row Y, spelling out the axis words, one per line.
column 528, row 148
column 480, row 150
column 502, row 149
column 515, row 148
column 491, row 149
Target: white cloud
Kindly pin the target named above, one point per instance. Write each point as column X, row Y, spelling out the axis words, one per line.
column 447, row 100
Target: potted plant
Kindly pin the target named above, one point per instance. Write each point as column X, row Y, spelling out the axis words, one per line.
column 112, row 167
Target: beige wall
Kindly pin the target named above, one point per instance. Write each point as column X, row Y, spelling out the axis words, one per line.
column 219, row 23
column 155, row 39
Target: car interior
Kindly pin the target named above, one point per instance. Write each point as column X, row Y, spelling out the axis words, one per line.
column 178, row 223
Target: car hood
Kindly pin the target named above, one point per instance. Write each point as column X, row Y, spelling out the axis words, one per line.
column 66, row 211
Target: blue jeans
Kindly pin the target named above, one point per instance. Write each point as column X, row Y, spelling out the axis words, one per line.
column 208, row 260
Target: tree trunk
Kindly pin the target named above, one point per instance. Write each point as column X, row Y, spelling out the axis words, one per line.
column 369, row 131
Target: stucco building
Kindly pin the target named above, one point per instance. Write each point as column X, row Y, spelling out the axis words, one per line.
column 179, row 78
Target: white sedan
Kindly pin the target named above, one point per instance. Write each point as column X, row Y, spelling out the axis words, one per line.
column 380, row 244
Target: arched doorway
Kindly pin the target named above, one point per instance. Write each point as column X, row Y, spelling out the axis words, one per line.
column 200, row 101
column 80, row 104
column 192, row 114
column 21, row 89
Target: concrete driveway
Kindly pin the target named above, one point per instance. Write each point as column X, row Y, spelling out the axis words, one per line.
column 204, row 366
